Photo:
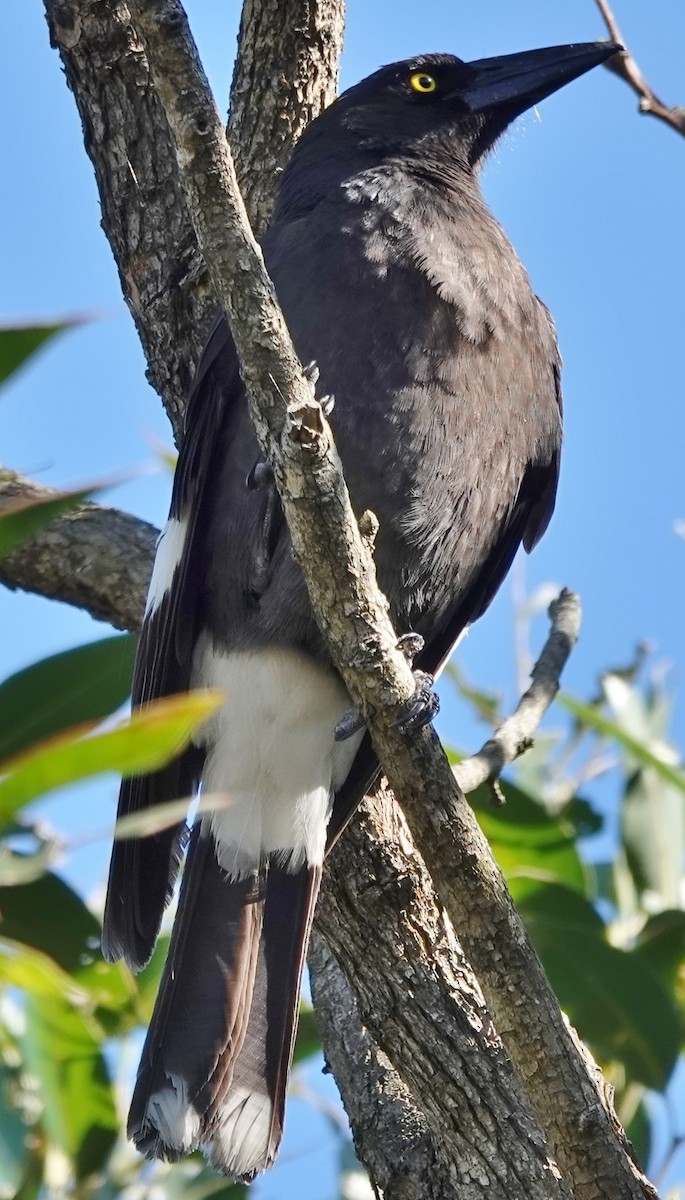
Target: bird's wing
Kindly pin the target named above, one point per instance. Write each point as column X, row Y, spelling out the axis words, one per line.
column 525, row 525
column 142, row 871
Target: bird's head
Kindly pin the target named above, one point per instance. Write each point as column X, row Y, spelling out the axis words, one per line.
column 471, row 102
column 405, row 105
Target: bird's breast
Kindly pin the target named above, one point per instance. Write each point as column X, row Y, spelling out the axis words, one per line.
column 442, row 375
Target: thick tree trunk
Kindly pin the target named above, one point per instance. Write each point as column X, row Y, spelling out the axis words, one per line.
column 458, row 1109
column 285, row 73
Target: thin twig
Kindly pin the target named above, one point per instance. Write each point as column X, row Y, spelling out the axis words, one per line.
column 624, row 65
column 515, row 734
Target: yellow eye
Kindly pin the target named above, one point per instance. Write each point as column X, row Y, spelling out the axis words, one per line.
column 421, row 82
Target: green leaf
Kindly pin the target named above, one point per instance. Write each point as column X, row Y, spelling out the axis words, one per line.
column 192, row 1180
column 618, row 1005
column 84, row 684
column 18, row 867
column 579, row 815
column 13, row 1132
column 48, row 916
column 308, row 1040
column 37, row 974
column 61, row 1050
column 149, row 979
column 639, row 1132
column 21, row 521
column 153, row 736
column 661, row 945
column 653, row 831
column 527, row 841
column 162, row 816
column 18, row 343
column 593, row 717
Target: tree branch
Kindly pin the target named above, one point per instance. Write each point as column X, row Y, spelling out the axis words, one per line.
column 285, row 73
column 127, row 138
column 339, row 572
column 623, row 64
column 95, row 558
column 433, row 1053
column 288, row 50
column 515, row 735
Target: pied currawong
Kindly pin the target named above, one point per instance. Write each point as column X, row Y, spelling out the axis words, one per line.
column 397, row 281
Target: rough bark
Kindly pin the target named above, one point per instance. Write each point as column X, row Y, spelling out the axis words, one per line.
column 152, row 239
column 442, row 1065
column 126, row 135
column 96, row 558
column 285, row 73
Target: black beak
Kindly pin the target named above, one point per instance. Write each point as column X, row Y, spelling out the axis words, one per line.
column 521, row 80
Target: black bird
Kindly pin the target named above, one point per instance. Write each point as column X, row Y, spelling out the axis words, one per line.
column 395, row 278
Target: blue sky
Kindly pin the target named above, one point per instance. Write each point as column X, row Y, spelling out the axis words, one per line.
column 591, row 195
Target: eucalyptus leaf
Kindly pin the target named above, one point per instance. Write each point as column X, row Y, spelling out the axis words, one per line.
column 162, row 816
column 661, row 944
column 617, row 1003
column 36, row 973
column 13, row 1134
column 527, row 841
column 84, row 684
column 594, row 718
column 653, row 831
column 48, row 916
column 193, row 1180
column 23, row 519
column 149, row 979
column 152, row 736
column 61, row 1049
column 18, row 343
column 16, row 869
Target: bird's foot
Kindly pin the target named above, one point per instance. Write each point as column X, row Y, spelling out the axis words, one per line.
column 422, row 707
column 260, row 476
column 350, row 723
column 410, row 644
column 311, row 372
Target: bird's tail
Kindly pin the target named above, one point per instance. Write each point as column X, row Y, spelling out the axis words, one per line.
column 214, row 1069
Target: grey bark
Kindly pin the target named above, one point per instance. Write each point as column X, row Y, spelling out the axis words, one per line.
column 126, row 135
column 97, row 558
column 285, row 73
column 442, row 1064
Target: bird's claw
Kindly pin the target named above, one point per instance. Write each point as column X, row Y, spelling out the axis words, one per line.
column 422, row 707
column 311, row 372
column 349, row 724
column 410, row 644
column 260, row 476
